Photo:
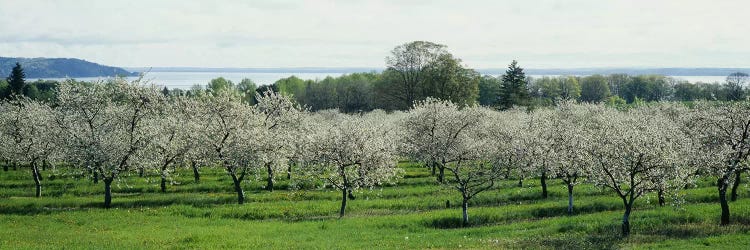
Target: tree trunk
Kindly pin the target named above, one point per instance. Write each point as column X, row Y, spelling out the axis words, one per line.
column 737, row 180
column 520, row 182
column 723, row 200
column 626, row 221
column 269, row 183
column 141, row 172
column 434, row 169
column 5, row 167
column 37, row 179
column 289, row 172
column 163, row 184
column 108, row 192
column 441, row 175
column 544, row 184
column 15, row 166
column 44, row 165
column 196, row 174
column 343, row 202
column 465, row 212
column 238, row 188
column 96, row 176
column 570, row 199
column 662, row 200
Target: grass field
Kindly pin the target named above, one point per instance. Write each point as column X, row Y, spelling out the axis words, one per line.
column 412, row 214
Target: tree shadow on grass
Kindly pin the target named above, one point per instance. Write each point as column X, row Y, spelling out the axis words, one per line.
column 52, row 207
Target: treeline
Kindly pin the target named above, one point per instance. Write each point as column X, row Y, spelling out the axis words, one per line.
column 418, row 70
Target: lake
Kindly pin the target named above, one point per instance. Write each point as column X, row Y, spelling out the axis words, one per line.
column 185, row 80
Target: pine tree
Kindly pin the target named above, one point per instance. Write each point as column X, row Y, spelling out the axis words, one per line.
column 16, row 80
column 513, row 90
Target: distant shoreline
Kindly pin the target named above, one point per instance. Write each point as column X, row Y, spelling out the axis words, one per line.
column 487, row 71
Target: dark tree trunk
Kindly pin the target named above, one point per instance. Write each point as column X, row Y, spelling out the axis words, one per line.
column 520, row 182
column 723, row 200
column 37, row 179
column 344, row 193
column 44, row 165
column 269, row 182
column 434, row 169
column 141, row 172
column 96, row 176
column 465, row 212
column 108, row 192
column 5, row 167
column 441, row 174
column 570, row 199
column 196, row 174
column 163, row 184
column 662, row 200
column 737, row 180
column 544, row 184
column 289, row 172
column 238, row 188
column 15, row 166
column 626, row 221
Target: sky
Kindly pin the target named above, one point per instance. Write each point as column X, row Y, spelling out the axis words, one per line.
column 358, row 33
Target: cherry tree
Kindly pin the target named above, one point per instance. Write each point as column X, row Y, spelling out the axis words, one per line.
column 723, row 131
column 636, row 153
column 105, row 126
column 282, row 122
column 432, row 131
column 353, row 152
column 174, row 137
column 225, row 129
column 454, row 139
column 28, row 134
column 569, row 135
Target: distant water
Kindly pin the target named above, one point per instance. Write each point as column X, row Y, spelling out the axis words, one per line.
column 185, row 80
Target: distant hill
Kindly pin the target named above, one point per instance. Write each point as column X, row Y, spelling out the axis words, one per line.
column 59, row 68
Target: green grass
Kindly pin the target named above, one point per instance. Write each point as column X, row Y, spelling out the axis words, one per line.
column 412, row 214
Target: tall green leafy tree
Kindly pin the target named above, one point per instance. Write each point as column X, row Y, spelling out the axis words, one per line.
column 446, row 79
column 489, row 89
column 247, row 88
column 407, row 66
column 594, row 89
column 421, row 69
column 220, row 84
column 17, row 80
column 514, row 90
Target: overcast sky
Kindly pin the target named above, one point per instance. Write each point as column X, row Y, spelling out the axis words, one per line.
column 358, row 33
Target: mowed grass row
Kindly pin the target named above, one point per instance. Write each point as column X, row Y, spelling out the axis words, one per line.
column 411, row 214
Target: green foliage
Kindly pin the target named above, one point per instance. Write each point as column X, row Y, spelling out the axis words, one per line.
column 220, row 84
column 489, row 90
column 17, row 80
column 421, row 69
column 594, row 89
column 552, row 90
column 247, row 88
column 514, row 90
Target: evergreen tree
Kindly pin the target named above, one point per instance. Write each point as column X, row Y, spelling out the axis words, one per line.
column 513, row 90
column 16, row 80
